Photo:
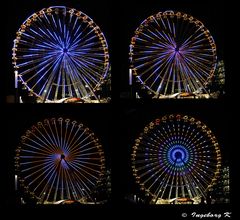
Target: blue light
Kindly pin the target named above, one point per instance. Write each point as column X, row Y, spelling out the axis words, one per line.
column 178, row 155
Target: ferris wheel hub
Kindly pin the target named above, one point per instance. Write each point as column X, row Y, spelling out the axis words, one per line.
column 65, row 50
column 178, row 155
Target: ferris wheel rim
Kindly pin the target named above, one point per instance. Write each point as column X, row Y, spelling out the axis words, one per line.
column 76, row 87
column 54, row 163
column 166, row 32
column 158, row 167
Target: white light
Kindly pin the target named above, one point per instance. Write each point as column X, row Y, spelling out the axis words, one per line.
column 16, row 79
column 16, row 182
column 130, row 76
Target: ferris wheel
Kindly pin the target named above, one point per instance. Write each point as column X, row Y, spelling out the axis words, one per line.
column 172, row 52
column 60, row 52
column 176, row 156
column 60, row 159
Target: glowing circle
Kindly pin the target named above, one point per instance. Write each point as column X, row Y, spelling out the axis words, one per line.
column 60, row 52
column 59, row 160
column 176, row 156
column 172, row 52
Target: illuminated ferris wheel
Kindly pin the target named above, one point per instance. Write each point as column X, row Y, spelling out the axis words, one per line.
column 60, row 159
column 60, row 52
column 172, row 52
column 174, row 157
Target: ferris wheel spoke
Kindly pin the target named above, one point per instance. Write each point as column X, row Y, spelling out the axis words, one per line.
column 39, row 146
column 80, row 141
column 79, row 41
column 84, row 148
column 87, row 71
column 85, row 177
column 158, row 62
column 191, row 44
column 82, row 187
column 56, row 191
column 157, row 69
column 76, row 81
column 83, row 158
column 87, row 169
column 60, row 121
column 56, row 134
column 44, row 143
column 49, row 141
column 186, row 31
column 92, row 64
column 157, row 173
column 173, row 183
column 32, row 167
column 68, row 136
column 162, row 186
column 84, row 163
column 77, row 188
column 50, row 38
column 87, row 44
column 47, row 86
column 79, row 77
column 200, row 189
column 165, row 39
column 187, row 80
column 198, row 62
column 42, row 77
column 41, row 172
column 78, row 134
column 87, row 31
column 43, row 181
column 163, row 23
column 50, row 134
column 32, row 151
column 46, row 191
column 90, row 46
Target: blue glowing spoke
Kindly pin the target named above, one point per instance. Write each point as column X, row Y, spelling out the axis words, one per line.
column 83, row 69
column 194, row 73
column 74, row 149
column 76, row 76
column 36, row 145
column 86, row 42
column 45, row 66
column 89, row 63
column 85, row 173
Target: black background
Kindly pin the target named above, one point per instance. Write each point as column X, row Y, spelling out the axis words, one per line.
column 116, row 124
